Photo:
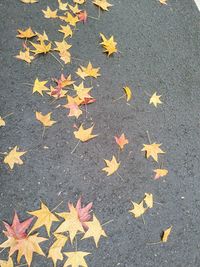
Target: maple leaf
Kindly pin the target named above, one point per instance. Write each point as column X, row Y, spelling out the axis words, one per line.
column 75, row 9
column 72, row 20
column 65, row 56
column 121, row 141
column 66, row 30
column 160, row 173
column 2, row 122
column 109, row 45
column 128, row 93
column 72, row 105
column 112, row 166
column 28, row 33
column 155, row 99
column 44, row 218
column 71, row 223
column 95, row 230
column 39, row 86
column 41, row 48
column 88, row 71
column 8, row 263
column 163, row 2
column 13, row 157
column 76, row 259
column 84, row 134
column 25, row 56
column 153, row 150
column 65, row 81
column 148, row 200
column 166, row 234
column 29, row 1
column 62, row 6
column 103, row 4
column 62, row 46
column 55, row 250
column 42, row 37
column 82, row 16
column 80, row 2
column 45, row 119
column 57, row 93
column 82, row 92
column 138, row 209
column 17, row 229
column 50, row 14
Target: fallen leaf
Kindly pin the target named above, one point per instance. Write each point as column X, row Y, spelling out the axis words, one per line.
column 138, row 209
column 55, row 250
column 88, row 71
column 152, row 150
column 121, row 141
column 82, row 91
column 82, row 16
column 50, row 14
column 65, row 56
column 62, row 6
column 75, row 9
column 80, row 2
column 71, row 223
column 84, row 134
column 2, row 122
column 72, row 20
column 8, row 263
column 148, row 200
column 39, row 86
column 13, row 157
column 41, row 48
column 57, row 93
column 128, row 93
column 72, row 105
column 160, row 173
column 62, row 46
column 45, row 119
column 44, row 218
column 66, row 30
column 25, row 56
column 109, row 45
column 163, row 2
column 76, row 259
column 29, row 1
column 95, row 230
column 42, row 37
column 166, row 234
column 155, row 99
column 27, row 34
column 112, row 166
column 103, row 4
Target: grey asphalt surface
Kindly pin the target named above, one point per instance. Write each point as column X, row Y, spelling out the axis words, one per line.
column 159, row 52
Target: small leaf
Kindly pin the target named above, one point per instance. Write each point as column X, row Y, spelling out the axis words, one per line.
column 112, row 166
column 50, row 14
column 28, row 33
column 128, row 93
column 13, row 157
column 166, row 234
column 84, row 134
column 148, row 200
column 45, row 119
column 39, row 86
column 138, row 209
column 160, row 173
column 155, row 99
column 2, row 122
column 121, row 141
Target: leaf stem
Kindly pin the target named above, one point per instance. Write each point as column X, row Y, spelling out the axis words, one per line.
column 75, row 147
column 120, row 176
column 43, row 132
column 148, row 136
column 8, row 115
column 56, row 59
column 57, row 206
column 119, row 98
column 107, row 222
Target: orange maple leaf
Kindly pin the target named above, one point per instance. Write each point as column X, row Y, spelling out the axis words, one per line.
column 121, row 141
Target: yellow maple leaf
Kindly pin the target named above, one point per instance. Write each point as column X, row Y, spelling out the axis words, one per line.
column 138, row 209
column 62, row 6
column 66, row 30
column 80, row 2
column 155, row 99
column 42, row 37
column 8, row 263
column 55, row 250
column 25, row 56
column 160, row 173
column 41, row 48
column 152, row 150
column 71, row 223
column 13, row 157
column 88, row 71
column 2, row 122
column 50, row 14
column 28, row 33
column 72, row 20
column 166, row 234
column 39, row 86
column 45, row 119
column 109, row 45
column 128, row 93
column 44, row 218
column 75, row 9
column 148, row 200
column 76, row 259
column 103, row 4
column 62, row 46
column 112, row 166
column 82, row 92
column 84, row 134
column 95, row 230
column 65, row 56
column 29, row 1
column 73, row 106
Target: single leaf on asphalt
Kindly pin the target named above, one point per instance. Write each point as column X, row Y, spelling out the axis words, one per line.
column 45, row 119
column 71, row 223
column 84, row 134
column 82, row 91
column 62, row 6
column 88, row 71
column 75, row 9
column 66, row 30
column 152, row 150
column 41, row 48
column 112, row 166
column 13, row 157
column 55, row 250
column 82, row 16
column 163, row 2
column 76, row 259
column 2, row 122
column 155, row 99
column 128, row 93
column 121, row 141
column 148, row 200
column 50, row 14
column 29, row 1
column 73, row 106
column 166, row 234
column 28, row 33
column 103, row 4
column 138, row 209
column 95, row 230
column 160, row 173
column 109, row 45
column 39, row 86
column 44, row 218
column 8, row 263
column 25, row 56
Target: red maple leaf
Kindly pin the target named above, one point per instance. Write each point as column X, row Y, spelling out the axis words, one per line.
column 18, row 229
column 83, row 212
column 82, row 16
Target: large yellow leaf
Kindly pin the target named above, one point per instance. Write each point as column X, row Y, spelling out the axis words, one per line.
column 84, row 134
column 88, row 71
column 76, row 259
column 13, row 157
column 112, row 166
column 45, row 119
column 62, row 6
column 39, row 86
column 72, row 20
column 153, row 150
column 82, row 91
column 28, row 33
column 41, row 48
column 109, row 45
column 50, row 14
column 66, row 30
column 103, row 4
column 138, row 209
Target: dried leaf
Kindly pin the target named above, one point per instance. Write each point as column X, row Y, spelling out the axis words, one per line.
column 152, row 150
column 62, row 46
column 25, row 56
column 2, row 122
column 121, row 141
column 148, row 200
column 29, row 1
column 42, row 37
column 88, row 71
column 166, row 234
column 109, row 45
column 75, row 9
column 128, row 93
column 155, row 99
column 39, row 86
column 83, row 16
column 112, row 166
column 8, row 263
column 103, row 4
column 57, row 94
column 27, row 34
column 72, row 20
column 50, row 14
column 45, row 119
column 76, row 259
column 41, row 48
column 80, row 2
column 138, row 209
column 163, row 2
column 13, row 157
column 62, row 6
column 82, row 92
column 160, row 173
column 84, row 134
column 73, row 106
column 66, row 30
